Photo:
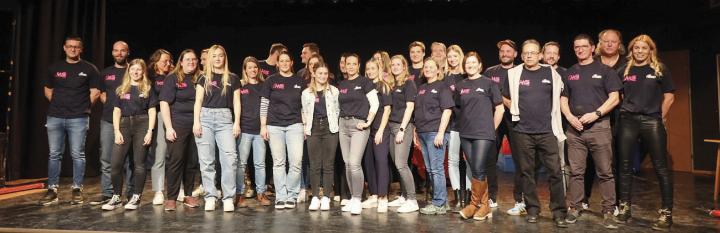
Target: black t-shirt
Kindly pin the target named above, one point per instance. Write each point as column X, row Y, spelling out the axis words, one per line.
column 111, row 80
column 432, row 99
column 158, row 83
column 452, row 80
column 385, row 100
column 250, row 113
column 71, row 84
column 320, row 109
column 353, row 99
column 284, row 95
column 498, row 75
column 561, row 70
column 476, row 100
column 416, row 76
column 587, row 86
column 135, row 103
column 621, row 62
column 643, row 90
column 215, row 99
column 181, row 98
column 266, row 69
column 535, row 101
column 400, row 96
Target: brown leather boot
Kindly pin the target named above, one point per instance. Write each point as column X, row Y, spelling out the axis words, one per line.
column 240, row 201
column 484, row 212
column 472, row 207
column 263, row 200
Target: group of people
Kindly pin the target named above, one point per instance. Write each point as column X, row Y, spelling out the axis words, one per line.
column 204, row 119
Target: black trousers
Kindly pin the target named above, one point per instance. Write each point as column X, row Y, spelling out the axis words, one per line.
column 539, row 148
column 377, row 164
column 322, row 146
column 133, row 130
column 491, row 166
column 478, row 153
column 651, row 132
column 181, row 164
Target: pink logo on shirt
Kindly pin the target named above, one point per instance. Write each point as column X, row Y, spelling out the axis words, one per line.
column 125, row 96
column 525, row 83
column 110, row 77
column 181, row 85
column 317, row 99
column 344, row 91
column 630, row 78
column 265, row 72
column 573, row 77
column 452, row 87
column 278, row 86
column 464, row 91
column 411, row 77
column 495, row 79
column 421, row 92
column 61, row 75
column 214, row 84
column 244, row 91
column 160, row 82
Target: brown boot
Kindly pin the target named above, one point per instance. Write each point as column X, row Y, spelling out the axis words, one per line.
column 240, row 201
column 263, row 200
column 472, row 207
column 484, row 212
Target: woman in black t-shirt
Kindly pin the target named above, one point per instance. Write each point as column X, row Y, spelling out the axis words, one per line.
column 133, row 121
column 455, row 74
column 477, row 98
column 176, row 107
column 216, row 121
column 159, row 65
column 647, row 97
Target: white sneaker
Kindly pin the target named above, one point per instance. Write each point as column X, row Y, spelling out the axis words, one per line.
column 355, row 207
column 346, row 208
column 519, row 209
column 210, row 204
column 397, row 202
column 585, row 206
column 314, row 204
column 133, row 203
column 492, row 204
column 382, row 205
column 159, row 198
column 228, row 205
column 336, row 198
column 371, row 202
column 344, row 202
column 302, row 196
column 408, row 207
column 113, row 203
column 325, row 203
column 181, row 195
column 199, row 191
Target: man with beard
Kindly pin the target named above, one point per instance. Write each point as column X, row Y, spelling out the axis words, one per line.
column 551, row 56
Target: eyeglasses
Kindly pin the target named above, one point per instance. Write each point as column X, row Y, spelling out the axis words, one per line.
column 533, row 53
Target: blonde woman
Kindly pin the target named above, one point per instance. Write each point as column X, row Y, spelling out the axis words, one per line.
column 647, row 96
column 455, row 74
column 133, row 122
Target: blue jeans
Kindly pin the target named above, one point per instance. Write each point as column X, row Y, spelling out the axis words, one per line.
column 286, row 145
column 107, row 140
column 434, row 163
column 75, row 129
column 217, row 128
column 245, row 143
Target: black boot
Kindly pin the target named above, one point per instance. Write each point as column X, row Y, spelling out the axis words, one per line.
column 468, row 194
column 458, row 200
column 664, row 220
column 624, row 213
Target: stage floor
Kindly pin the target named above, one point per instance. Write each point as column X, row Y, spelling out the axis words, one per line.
column 693, row 196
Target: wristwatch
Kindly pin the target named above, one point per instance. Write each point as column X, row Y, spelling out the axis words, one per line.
column 598, row 113
column 402, row 129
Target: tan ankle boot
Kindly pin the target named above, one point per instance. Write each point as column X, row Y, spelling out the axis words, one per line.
column 484, row 211
column 472, row 207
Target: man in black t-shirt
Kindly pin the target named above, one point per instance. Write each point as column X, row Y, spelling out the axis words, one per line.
column 71, row 86
column 308, row 50
column 591, row 92
column 416, row 52
column 551, row 56
column 267, row 66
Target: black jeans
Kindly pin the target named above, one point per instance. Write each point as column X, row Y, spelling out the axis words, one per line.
column 133, row 130
column 377, row 165
column 651, row 132
column 491, row 166
column 539, row 148
column 181, row 164
column 322, row 146
column 478, row 153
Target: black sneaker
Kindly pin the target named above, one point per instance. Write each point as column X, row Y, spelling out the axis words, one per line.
column 532, row 218
column 279, row 205
column 609, row 221
column 572, row 215
column 100, row 200
column 664, row 220
column 624, row 213
column 50, row 197
column 560, row 222
column 77, row 197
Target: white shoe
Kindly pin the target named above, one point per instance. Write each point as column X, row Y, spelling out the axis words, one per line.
column 397, row 202
column 133, row 203
column 492, row 204
column 344, row 202
column 302, row 196
column 199, row 192
column 371, row 202
column 181, row 195
column 585, row 206
column 159, row 198
column 325, row 203
column 519, row 209
column 355, row 207
column 113, row 203
column 346, row 208
column 228, row 205
column 210, row 204
column 408, row 206
column 382, row 205
column 336, row 198
column 314, row 204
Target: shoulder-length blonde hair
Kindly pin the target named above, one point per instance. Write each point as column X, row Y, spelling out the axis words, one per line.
column 178, row 71
column 144, row 85
column 312, row 86
column 654, row 62
column 459, row 51
column 245, row 79
column 402, row 77
column 385, row 83
column 210, row 69
column 440, row 75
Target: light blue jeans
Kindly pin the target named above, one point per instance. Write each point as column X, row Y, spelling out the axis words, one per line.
column 245, row 143
column 107, row 140
column 75, row 129
column 454, row 158
column 434, row 163
column 217, row 128
column 286, row 146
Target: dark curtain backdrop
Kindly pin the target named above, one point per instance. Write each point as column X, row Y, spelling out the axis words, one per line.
column 42, row 26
